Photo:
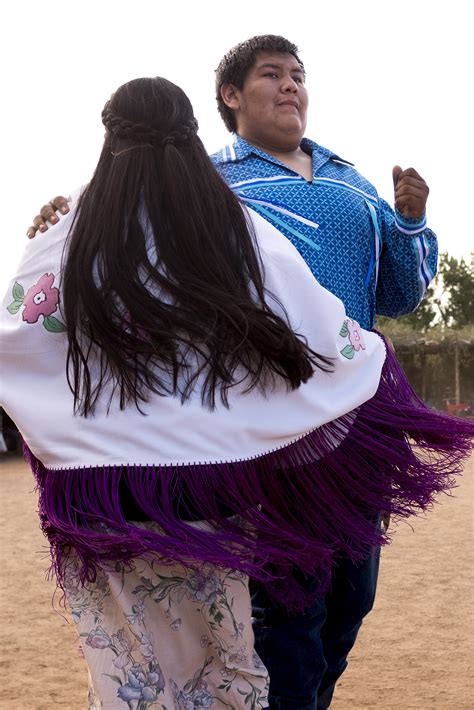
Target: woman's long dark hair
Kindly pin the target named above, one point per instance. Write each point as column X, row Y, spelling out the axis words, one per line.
column 162, row 282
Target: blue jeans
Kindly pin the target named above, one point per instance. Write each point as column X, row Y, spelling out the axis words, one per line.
column 306, row 653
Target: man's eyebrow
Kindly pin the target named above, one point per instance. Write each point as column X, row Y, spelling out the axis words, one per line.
column 271, row 65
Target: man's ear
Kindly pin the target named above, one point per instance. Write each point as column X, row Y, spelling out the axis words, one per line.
column 230, row 96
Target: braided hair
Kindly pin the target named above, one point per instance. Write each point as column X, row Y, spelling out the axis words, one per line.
column 162, row 284
column 146, row 135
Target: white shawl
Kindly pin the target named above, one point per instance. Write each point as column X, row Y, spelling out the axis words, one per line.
column 35, row 394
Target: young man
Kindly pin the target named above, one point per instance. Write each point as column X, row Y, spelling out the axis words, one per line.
column 377, row 260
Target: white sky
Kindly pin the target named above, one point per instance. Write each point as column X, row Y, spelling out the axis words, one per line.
column 390, row 81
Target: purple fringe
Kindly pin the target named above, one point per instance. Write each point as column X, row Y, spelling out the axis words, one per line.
column 300, row 507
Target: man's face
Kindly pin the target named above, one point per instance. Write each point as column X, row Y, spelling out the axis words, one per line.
column 271, row 107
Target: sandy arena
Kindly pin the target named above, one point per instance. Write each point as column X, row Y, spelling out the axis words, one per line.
column 415, row 650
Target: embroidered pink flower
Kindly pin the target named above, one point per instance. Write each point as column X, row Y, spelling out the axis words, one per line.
column 41, row 299
column 355, row 335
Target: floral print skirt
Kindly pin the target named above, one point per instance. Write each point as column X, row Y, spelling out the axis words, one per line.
column 169, row 637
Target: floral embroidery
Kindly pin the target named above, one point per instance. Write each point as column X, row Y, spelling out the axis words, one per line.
column 195, row 693
column 98, row 638
column 125, row 648
column 142, row 684
column 239, row 657
column 200, row 585
column 252, row 695
column 352, row 330
column 229, row 672
column 138, row 612
column 83, row 601
column 41, row 299
column 146, row 646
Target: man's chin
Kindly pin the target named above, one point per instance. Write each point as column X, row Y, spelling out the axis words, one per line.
column 292, row 130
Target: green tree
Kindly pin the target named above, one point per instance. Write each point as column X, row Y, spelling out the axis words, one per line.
column 456, row 302
column 448, row 302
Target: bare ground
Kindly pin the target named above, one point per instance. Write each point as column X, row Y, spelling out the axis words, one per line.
column 414, row 651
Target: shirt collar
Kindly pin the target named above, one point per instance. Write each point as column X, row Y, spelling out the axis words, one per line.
column 240, row 149
column 320, row 154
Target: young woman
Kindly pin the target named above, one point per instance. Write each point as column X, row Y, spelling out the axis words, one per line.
column 197, row 409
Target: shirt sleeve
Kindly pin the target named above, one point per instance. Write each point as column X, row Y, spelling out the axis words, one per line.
column 408, row 262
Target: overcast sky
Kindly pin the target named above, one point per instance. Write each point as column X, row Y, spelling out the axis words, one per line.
column 389, row 82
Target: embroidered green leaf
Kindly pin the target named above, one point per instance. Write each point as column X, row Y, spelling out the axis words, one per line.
column 14, row 307
column 159, row 597
column 348, row 352
column 17, row 292
column 218, row 617
column 344, row 332
column 53, row 325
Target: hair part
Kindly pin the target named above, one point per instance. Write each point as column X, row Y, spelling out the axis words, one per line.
column 235, row 66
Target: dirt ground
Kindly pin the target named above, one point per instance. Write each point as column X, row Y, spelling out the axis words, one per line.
column 414, row 651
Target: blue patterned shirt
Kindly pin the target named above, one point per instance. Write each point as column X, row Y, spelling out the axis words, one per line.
column 373, row 258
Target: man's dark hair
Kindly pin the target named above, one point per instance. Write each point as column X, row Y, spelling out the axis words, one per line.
column 236, row 64
column 162, row 284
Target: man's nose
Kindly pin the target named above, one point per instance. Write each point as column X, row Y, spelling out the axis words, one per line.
column 289, row 85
